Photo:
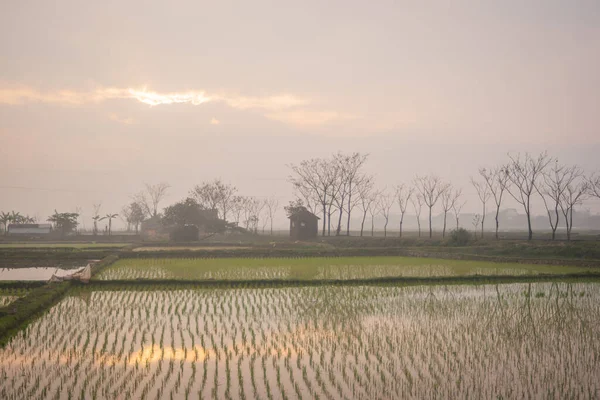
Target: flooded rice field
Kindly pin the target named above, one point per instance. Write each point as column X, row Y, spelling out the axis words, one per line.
column 35, row 274
column 319, row 268
column 538, row 340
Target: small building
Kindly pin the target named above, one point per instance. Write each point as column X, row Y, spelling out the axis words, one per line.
column 153, row 229
column 303, row 224
column 29, row 229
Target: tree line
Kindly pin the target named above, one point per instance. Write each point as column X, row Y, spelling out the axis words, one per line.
column 247, row 212
column 337, row 187
column 14, row 217
column 334, row 187
column 250, row 213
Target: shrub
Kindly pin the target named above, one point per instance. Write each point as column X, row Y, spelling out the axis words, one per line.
column 460, row 237
column 185, row 233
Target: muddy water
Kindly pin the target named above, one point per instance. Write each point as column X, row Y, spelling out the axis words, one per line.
column 34, row 274
column 510, row 341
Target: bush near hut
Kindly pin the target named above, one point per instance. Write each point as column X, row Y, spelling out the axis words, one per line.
column 185, row 233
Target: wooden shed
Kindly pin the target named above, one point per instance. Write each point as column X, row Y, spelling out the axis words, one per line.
column 303, row 224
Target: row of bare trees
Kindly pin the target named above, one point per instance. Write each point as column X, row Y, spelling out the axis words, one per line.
column 248, row 212
column 561, row 188
column 333, row 187
column 144, row 204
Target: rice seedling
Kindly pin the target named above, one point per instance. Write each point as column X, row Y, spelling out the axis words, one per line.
column 490, row 341
column 318, row 268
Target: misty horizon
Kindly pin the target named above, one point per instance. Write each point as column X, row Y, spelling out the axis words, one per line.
column 95, row 101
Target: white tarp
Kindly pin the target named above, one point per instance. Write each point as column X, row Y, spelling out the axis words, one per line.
column 84, row 275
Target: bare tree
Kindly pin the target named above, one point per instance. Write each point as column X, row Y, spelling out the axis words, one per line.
column 252, row 208
column 354, row 178
column 483, row 192
column 574, row 194
column 384, row 205
column 271, row 205
column 336, row 194
column 96, row 216
column 367, row 198
column 456, row 208
column 417, row 202
column 355, row 198
column 476, row 221
column 593, row 184
column 248, row 205
column 125, row 216
column 237, row 208
column 449, row 198
column 215, row 195
column 497, row 180
column 552, row 187
column 523, row 174
column 258, row 206
column 78, row 211
column 308, row 198
column 264, row 217
column 150, row 198
column 315, row 176
column 373, row 209
column 137, row 215
column 431, row 188
column 339, row 191
column 403, row 196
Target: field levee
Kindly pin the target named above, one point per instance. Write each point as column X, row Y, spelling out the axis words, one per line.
column 43, row 295
column 381, row 281
column 357, row 252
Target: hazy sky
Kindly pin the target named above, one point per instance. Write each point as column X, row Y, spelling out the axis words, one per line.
column 98, row 97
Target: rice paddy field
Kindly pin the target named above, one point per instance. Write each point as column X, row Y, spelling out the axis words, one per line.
column 190, row 248
column 536, row 340
column 321, row 268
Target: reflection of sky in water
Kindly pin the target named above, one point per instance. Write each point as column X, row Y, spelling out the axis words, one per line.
column 332, row 341
column 34, row 274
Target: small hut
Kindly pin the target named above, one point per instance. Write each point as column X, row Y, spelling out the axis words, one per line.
column 303, row 224
column 30, row 229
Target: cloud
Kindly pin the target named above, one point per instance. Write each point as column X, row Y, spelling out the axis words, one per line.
column 266, row 103
column 214, row 121
column 15, row 95
column 286, row 108
column 155, row 99
column 21, row 94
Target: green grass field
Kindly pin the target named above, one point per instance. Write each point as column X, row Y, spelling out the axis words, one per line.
column 8, row 295
column 320, row 268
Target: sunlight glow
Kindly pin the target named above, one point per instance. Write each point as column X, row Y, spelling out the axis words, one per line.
column 154, row 98
column 286, row 108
